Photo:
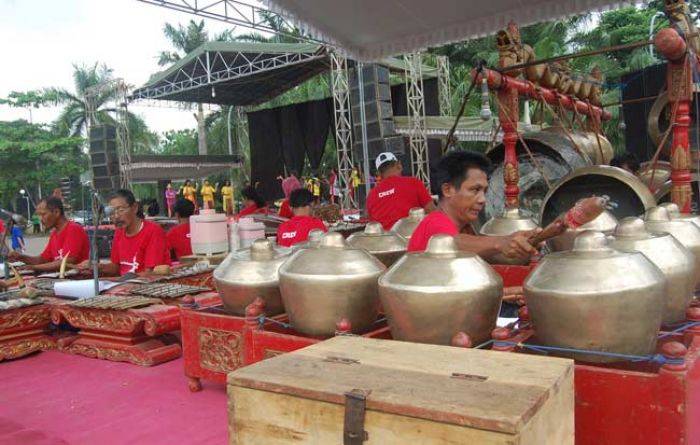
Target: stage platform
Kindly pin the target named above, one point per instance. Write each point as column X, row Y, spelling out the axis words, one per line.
column 52, row 398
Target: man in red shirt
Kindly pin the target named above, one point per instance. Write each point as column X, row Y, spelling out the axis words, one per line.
column 138, row 245
column 178, row 237
column 461, row 179
column 252, row 202
column 297, row 229
column 67, row 239
column 395, row 195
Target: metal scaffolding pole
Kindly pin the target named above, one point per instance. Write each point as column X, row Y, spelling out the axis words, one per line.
column 417, row 138
column 343, row 129
column 444, row 89
column 242, row 138
column 123, row 136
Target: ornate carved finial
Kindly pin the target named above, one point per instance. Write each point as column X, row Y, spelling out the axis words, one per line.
column 510, row 50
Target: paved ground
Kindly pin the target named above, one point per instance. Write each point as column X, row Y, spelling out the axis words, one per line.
column 35, row 244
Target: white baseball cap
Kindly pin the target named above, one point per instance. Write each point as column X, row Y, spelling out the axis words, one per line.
column 387, row 156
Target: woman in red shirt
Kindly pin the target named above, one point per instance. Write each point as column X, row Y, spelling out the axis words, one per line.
column 252, row 201
column 139, row 245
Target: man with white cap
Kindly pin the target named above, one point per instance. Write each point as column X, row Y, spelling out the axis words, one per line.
column 395, row 195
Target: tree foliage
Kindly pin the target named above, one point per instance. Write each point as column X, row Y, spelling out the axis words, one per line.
column 32, row 154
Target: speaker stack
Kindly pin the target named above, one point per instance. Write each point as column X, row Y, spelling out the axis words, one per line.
column 381, row 134
column 104, row 158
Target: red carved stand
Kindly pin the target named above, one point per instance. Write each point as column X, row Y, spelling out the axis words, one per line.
column 25, row 330
column 212, row 343
column 135, row 335
column 679, row 84
column 638, row 403
column 512, row 275
column 261, row 342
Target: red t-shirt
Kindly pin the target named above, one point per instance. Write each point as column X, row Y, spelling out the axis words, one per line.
column 435, row 223
column 297, row 229
column 179, row 240
column 251, row 209
column 2, row 226
column 70, row 241
column 145, row 250
column 286, row 210
column 394, row 197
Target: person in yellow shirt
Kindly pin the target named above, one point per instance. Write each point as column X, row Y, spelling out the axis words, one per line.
column 189, row 192
column 208, row 195
column 227, row 197
column 356, row 180
column 316, row 189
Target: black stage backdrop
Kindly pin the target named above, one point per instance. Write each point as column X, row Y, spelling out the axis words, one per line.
column 284, row 136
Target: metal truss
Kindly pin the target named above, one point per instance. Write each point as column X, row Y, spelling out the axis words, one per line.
column 122, row 122
column 444, row 90
column 417, row 139
column 218, row 66
column 343, row 129
column 236, row 13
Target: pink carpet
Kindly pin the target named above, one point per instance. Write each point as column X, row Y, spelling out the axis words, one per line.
column 53, row 398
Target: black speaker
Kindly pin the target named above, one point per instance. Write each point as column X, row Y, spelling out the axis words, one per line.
column 104, row 159
column 379, row 116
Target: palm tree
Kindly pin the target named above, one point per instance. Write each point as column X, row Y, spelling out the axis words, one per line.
column 73, row 119
column 186, row 40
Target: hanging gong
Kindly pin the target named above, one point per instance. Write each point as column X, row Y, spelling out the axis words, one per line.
column 630, row 195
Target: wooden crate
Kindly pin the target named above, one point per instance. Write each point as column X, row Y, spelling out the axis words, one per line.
column 415, row 394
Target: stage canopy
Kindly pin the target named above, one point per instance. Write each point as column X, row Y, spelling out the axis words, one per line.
column 151, row 168
column 371, row 29
column 241, row 74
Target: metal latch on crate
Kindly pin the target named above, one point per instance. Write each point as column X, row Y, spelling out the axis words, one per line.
column 354, row 427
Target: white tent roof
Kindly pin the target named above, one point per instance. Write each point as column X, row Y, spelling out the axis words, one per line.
column 372, row 29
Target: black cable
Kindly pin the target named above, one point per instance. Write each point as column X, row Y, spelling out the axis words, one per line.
column 450, row 135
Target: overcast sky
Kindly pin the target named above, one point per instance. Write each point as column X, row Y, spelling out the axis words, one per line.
column 40, row 40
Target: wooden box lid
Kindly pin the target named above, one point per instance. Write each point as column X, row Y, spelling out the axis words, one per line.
column 496, row 391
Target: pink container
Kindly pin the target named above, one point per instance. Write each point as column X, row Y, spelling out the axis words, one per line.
column 249, row 231
column 208, row 233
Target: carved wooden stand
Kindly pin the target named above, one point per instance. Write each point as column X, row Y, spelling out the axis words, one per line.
column 628, row 402
column 135, row 335
column 680, row 95
column 24, row 331
column 261, row 342
column 212, row 341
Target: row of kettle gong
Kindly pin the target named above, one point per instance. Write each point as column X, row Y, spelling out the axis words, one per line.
column 601, row 295
column 318, row 288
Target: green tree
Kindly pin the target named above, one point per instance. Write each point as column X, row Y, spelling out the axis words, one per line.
column 179, row 142
column 185, row 40
column 35, row 155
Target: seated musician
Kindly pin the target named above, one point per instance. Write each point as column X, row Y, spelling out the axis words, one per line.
column 395, row 194
column 179, row 243
column 252, row 201
column 138, row 245
column 67, row 239
column 461, row 180
column 297, row 229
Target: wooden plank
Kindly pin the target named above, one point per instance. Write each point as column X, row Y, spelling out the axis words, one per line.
column 496, row 391
column 291, row 420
